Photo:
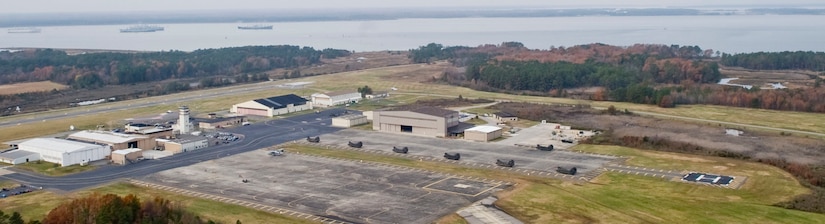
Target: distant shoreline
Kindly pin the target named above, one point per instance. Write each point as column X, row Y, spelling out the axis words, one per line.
column 272, row 16
column 72, row 51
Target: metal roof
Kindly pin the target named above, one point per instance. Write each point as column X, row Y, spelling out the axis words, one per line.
column 56, row 145
column 282, row 101
column 126, row 151
column 428, row 110
column 104, row 137
column 14, row 154
column 484, row 129
column 351, row 117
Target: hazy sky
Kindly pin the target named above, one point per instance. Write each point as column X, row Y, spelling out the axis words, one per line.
column 38, row 6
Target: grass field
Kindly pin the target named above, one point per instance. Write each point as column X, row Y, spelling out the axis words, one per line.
column 36, row 205
column 53, row 169
column 408, row 80
column 28, row 87
column 623, row 198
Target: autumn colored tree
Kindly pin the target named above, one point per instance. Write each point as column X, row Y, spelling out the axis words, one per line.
column 110, row 208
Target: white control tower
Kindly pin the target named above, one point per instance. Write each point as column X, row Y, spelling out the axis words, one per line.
column 184, row 126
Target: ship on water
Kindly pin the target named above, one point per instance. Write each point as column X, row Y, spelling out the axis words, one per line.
column 142, row 29
column 255, row 27
column 24, row 30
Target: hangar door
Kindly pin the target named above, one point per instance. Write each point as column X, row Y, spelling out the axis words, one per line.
column 252, row 111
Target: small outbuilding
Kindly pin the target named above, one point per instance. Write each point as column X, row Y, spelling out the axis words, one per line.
column 377, row 94
column 349, row 120
column 504, row 116
column 483, row 133
column 126, row 156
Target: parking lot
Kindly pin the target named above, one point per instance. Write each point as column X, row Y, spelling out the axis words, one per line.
column 12, row 191
column 344, row 190
column 477, row 152
column 543, row 134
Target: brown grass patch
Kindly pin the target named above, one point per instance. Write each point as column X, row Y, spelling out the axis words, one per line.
column 29, row 87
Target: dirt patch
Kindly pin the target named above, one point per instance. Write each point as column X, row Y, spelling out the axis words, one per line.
column 29, row 87
column 793, row 79
column 752, row 143
column 720, row 168
column 678, row 157
column 354, row 62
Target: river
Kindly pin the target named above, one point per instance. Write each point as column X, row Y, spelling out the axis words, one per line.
column 731, row 34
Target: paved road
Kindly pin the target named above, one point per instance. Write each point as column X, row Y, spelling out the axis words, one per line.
column 256, row 136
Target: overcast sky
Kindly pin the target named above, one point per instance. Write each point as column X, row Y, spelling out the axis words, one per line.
column 39, row 6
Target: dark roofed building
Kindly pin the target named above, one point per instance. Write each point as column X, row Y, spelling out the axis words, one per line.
column 272, row 106
column 504, row 116
column 221, row 122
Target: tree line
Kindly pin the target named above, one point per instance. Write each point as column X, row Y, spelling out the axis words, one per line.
column 805, row 60
column 629, row 74
column 649, row 74
column 111, row 208
column 96, row 69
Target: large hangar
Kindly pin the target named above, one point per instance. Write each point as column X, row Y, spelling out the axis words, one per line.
column 272, row 106
column 426, row 121
column 117, row 141
column 65, row 152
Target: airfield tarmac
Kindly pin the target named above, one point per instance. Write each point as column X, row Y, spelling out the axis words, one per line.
column 344, row 190
column 474, row 152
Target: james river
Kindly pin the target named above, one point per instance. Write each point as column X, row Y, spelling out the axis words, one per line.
column 731, row 34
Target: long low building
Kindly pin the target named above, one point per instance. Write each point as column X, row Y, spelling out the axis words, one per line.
column 185, row 144
column 15, row 157
column 335, row 98
column 269, row 107
column 349, row 120
column 65, row 152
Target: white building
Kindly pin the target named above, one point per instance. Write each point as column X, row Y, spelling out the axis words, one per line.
column 65, row 152
column 349, row 120
column 186, row 144
column 335, row 98
column 378, row 94
column 15, row 157
column 183, row 126
column 272, row 106
column 483, row 133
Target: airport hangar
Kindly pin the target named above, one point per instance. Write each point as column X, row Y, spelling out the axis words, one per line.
column 65, row 152
column 117, row 141
column 335, row 98
column 424, row 120
column 269, row 107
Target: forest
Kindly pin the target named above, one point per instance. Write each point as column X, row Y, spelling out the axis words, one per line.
column 802, row 60
column 111, row 208
column 97, row 69
column 650, row 74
